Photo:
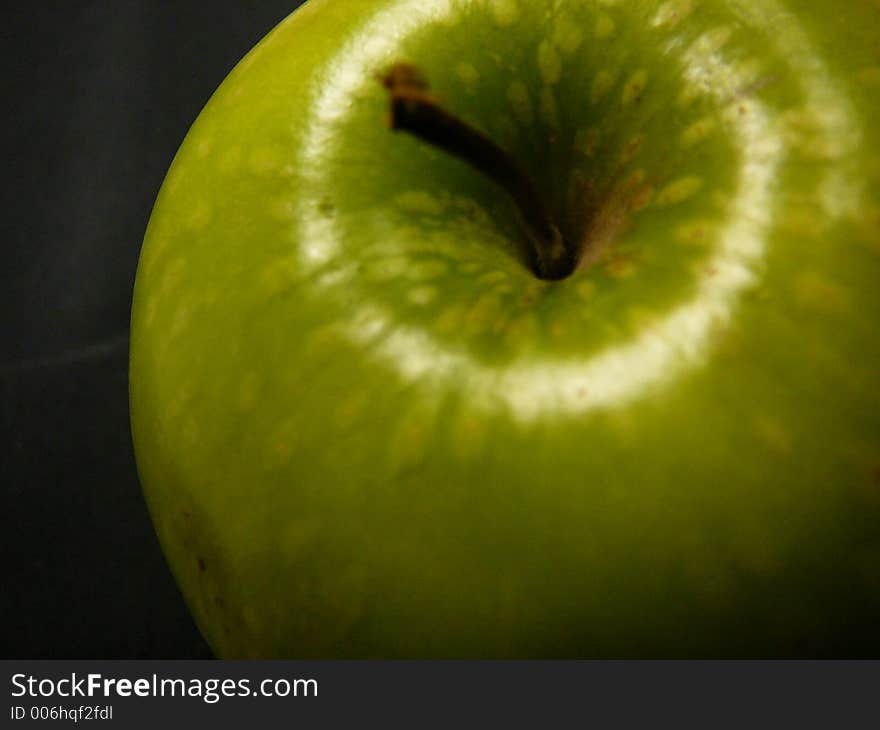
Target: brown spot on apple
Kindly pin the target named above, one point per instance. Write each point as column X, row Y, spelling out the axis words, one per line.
column 630, row 149
column 642, row 198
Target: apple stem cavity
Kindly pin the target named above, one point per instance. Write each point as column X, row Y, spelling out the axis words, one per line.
column 416, row 111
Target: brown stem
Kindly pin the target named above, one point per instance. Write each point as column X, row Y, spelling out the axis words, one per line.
column 415, row 111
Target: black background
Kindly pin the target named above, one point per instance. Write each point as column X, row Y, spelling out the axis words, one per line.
column 97, row 97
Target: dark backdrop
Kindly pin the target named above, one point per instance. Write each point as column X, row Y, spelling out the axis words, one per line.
column 96, row 98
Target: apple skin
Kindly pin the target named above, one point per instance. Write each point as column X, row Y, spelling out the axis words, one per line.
column 362, row 427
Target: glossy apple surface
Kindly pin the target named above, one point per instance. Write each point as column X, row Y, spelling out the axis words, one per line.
column 365, row 429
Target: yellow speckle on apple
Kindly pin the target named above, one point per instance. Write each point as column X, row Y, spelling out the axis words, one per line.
column 567, row 36
column 469, row 76
column 518, row 96
column 586, row 141
column 816, row 292
column 679, row 190
column 671, row 13
column 420, row 202
column 549, row 111
column 697, row 132
column 200, row 216
column 505, row 12
column 423, row 295
column 549, row 63
column 633, row 88
column 605, row 26
column 602, row 84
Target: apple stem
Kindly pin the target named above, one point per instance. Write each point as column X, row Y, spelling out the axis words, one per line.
column 415, row 111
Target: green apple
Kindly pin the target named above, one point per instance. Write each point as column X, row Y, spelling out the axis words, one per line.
column 367, row 427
